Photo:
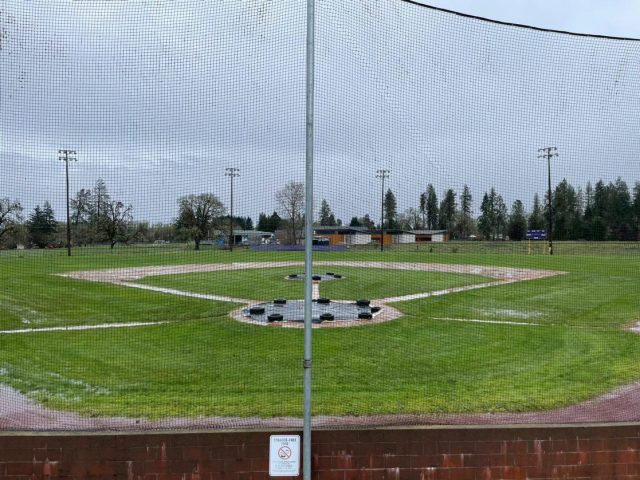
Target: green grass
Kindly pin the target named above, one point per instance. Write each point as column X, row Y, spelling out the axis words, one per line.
column 259, row 284
column 205, row 363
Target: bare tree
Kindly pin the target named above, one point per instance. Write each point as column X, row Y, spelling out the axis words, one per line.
column 197, row 214
column 10, row 211
column 291, row 202
column 116, row 222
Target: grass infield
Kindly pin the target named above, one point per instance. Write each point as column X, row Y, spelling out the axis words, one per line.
column 204, row 363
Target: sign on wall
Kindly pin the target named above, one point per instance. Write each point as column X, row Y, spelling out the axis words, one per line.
column 284, row 455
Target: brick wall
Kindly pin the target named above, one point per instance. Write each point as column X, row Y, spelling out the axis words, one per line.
column 596, row 452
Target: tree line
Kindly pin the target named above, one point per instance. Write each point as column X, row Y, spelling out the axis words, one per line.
column 597, row 212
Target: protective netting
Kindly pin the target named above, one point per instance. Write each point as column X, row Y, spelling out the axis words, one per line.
column 182, row 124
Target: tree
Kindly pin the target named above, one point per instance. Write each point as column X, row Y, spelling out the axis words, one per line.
column 536, row 219
column 291, row 202
column 423, row 208
column 432, row 208
column 448, row 208
column 197, row 215
column 390, row 209
column 465, row 224
column 100, row 198
column 517, row 222
column 636, row 209
column 327, row 218
column 81, row 207
column 367, row 223
column 565, row 212
column 10, row 215
column 116, row 223
column 620, row 211
column 268, row 223
column 355, row 222
column 42, row 225
column 410, row 219
column 492, row 222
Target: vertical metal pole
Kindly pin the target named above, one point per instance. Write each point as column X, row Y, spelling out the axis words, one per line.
column 231, row 172
column 548, row 153
column 550, row 205
column 308, row 240
column 382, row 217
column 382, row 174
column 66, row 163
column 64, row 156
column 231, row 239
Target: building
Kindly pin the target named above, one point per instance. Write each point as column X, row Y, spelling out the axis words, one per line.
column 431, row 236
column 394, row 236
column 344, row 235
column 246, row 237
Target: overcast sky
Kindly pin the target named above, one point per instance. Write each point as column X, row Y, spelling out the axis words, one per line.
column 158, row 97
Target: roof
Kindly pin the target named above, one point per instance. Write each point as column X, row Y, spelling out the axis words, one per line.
column 428, row 232
column 340, row 229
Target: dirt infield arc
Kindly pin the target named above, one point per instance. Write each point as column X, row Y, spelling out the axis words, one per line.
column 127, row 277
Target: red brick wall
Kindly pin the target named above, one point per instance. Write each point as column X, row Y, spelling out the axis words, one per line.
column 596, row 452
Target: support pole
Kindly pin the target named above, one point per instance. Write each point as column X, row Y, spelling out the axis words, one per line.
column 66, row 156
column 382, row 174
column 231, row 173
column 548, row 153
column 308, row 241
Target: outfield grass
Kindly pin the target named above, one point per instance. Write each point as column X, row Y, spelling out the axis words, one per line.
column 205, row 363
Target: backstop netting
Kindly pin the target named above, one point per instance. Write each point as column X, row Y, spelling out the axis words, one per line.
column 476, row 225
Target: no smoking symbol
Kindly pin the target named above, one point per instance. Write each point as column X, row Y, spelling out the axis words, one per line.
column 284, row 453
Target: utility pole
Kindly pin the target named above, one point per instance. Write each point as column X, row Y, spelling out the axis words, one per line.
column 382, row 174
column 66, row 156
column 547, row 153
column 231, row 173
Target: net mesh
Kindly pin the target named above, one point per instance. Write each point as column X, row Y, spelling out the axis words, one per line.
column 437, row 135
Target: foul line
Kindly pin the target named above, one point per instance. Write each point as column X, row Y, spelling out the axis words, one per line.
column 182, row 293
column 498, row 322
column 82, row 327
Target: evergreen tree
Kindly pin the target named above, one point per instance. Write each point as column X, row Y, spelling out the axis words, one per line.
column 327, row 218
column 390, row 209
column 275, row 222
column 367, row 222
column 263, row 222
column 536, row 219
column 42, row 225
column 465, row 225
column 432, row 208
column 502, row 217
column 566, row 218
column 620, row 211
column 492, row 222
column 423, row 208
column 517, row 222
column 636, row 210
column 355, row 222
column 448, row 209
column 486, row 219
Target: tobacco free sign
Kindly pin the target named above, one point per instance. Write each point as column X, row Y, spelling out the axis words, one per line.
column 284, row 455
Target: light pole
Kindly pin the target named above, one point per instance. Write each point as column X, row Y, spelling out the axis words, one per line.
column 549, row 152
column 66, row 156
column 382, row 174
column 231, row 173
